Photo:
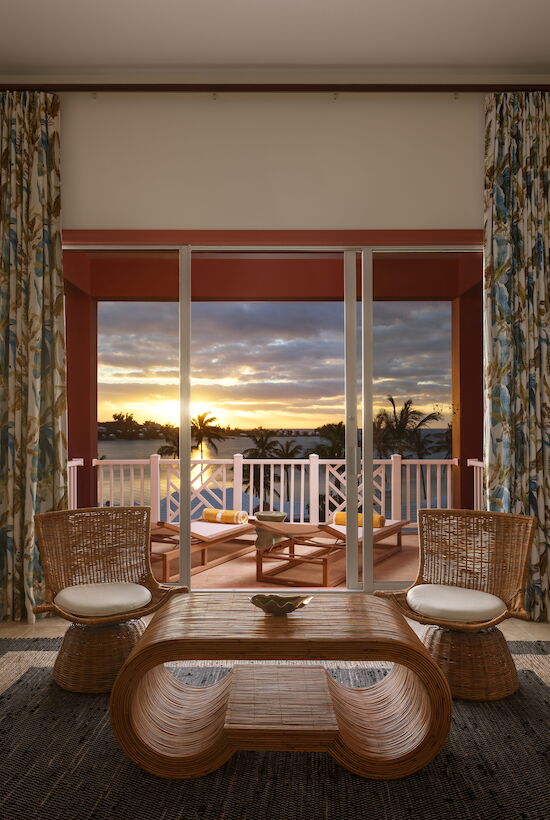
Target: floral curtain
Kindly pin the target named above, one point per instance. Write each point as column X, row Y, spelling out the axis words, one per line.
column 33, row 445
column 517, row 320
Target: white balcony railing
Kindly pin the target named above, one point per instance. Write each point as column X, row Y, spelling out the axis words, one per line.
column 479, row 489
column 310, row 489
column 72, row 491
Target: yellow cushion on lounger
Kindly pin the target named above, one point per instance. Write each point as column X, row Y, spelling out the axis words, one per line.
column 377, row 520
column 96, row 600
column 225, row 516
column 455, row 603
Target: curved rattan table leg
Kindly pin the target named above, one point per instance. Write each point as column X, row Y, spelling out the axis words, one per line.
column 386, row 731
column 477, row 665
column 394, row 728
column 91, row 656
column 168, row 728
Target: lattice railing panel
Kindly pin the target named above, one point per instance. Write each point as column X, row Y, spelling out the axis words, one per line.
column 208, row 487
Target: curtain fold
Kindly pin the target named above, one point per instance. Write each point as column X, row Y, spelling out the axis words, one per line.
column 33, row 443
column 516, row 309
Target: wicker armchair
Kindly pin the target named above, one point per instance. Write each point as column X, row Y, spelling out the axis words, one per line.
column 101, row 557
column 470, row 550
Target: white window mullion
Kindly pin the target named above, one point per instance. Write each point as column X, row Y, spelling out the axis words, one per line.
column 185, row 420
column 367, row 343
column 350, row 348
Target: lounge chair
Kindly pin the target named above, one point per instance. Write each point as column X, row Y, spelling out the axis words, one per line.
column 204, row 535
column 294, row 545
column 322, row 545
column 379, row 534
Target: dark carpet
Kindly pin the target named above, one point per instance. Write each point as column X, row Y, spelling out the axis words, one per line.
column 58, row 759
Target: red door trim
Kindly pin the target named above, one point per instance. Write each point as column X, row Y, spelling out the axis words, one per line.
column 254, row 237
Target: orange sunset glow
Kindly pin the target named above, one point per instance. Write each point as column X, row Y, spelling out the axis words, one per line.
column 275, row 365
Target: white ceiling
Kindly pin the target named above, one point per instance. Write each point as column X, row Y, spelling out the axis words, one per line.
column 68, row 37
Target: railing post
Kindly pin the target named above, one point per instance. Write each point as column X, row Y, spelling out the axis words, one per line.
column 72, row 482
column 396, row 513
column 478, row 468
column 314, row 489
column 154, row 478
column 237, row 481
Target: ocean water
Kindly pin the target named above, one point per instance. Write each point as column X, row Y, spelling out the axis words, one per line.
column 143, row 448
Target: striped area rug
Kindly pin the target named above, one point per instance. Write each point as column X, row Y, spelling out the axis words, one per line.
column 59, row 759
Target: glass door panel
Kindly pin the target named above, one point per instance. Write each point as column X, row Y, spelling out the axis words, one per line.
column 412, row 404
column 138, row 401
column 269, row 361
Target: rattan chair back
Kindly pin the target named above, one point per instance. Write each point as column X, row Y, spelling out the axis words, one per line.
column 475, row 549
column 95, row 545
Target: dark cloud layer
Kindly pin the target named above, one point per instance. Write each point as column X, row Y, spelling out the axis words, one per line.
column 286, row 357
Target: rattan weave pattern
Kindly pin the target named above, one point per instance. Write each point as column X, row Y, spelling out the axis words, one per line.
column 487, row 551
column 91, row 656
column 97, row 545
column 386, row 731
column 474, row 549
column 60, row 760
column 478, row 665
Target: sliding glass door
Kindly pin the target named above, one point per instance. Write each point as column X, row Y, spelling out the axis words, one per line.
column 310, row 288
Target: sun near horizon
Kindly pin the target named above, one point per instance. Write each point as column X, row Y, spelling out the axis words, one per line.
column 274, row 365
column 168, row 412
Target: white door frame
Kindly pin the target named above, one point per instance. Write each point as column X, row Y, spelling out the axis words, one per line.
column 353, row 456
column 185, row 348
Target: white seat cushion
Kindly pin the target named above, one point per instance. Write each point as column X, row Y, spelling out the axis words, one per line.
column 102, row 599
column 455, row 603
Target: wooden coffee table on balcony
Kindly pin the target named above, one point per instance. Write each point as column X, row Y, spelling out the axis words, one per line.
column 388, row 730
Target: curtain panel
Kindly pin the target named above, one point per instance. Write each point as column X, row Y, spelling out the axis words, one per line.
column 33, row 451
column 516, row 307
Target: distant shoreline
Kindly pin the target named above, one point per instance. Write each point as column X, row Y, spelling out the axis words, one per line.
column 277, row 432
column 143, row 448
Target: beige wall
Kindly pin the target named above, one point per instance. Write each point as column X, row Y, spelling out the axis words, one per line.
column 251, row 161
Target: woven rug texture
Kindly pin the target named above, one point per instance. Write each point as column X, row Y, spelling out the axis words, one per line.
column 59, row 758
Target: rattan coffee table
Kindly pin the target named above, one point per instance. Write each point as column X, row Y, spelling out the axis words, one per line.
column 388, row 730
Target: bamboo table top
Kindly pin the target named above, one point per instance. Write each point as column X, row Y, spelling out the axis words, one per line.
column 333, row 626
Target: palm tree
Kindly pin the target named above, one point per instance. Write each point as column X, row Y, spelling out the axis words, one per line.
column 204, row 429
column 264, row 447
column 172, row 437
column 285, row 452
column 333, row 446
column 396, row 428
column 382, row 440
column 264, row 444
column 423, row 446
column 335, row 440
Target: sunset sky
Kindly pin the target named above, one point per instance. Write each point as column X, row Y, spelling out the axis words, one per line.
column 269, row 364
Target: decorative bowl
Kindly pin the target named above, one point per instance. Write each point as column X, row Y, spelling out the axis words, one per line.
column 280, row 604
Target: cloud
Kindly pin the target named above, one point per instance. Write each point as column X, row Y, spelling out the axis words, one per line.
column 287, row 358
